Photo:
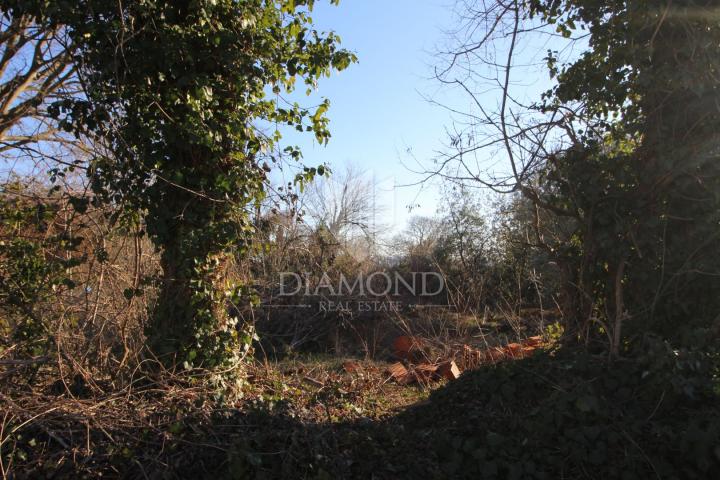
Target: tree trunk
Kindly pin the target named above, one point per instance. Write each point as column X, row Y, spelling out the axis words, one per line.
column 190, row 324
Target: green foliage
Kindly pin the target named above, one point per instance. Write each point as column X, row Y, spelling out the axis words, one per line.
column 640, row 181
column 186, row 95
column 575, row 416
column 36, row 259
column 464, row 234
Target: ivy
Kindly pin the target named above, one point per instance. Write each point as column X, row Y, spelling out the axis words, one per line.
column 36, row 262
column 575, row 416
column 181, row 93
column 641, row 177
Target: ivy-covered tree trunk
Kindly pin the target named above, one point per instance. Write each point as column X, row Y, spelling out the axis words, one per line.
column 679, row 96
column 191, row 324
column 173, row 312
column 643, row 173
column 184, row 95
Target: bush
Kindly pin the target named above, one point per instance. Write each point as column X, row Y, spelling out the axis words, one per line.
column 569, row 415
column 37, row 254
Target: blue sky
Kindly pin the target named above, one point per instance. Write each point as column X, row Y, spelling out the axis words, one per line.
column 377, row 110
column 377, row 106
column 381, row 121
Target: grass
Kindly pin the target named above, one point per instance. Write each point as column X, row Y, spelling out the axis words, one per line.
column 170, row 429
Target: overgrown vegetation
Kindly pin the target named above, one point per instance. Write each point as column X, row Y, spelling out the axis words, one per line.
column 145, row 326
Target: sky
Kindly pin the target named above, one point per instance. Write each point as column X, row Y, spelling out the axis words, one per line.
column 378, row 110
column 380, row 118
column 380, row 122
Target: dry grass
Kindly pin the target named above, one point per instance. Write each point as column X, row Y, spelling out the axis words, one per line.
column 162, row 421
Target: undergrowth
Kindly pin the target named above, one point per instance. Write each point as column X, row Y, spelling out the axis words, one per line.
column 558, row 414
column 571, row 415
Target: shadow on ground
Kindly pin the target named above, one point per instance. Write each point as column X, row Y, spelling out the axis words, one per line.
column 554, row 415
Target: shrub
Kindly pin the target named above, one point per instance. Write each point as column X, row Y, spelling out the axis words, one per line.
column 37, row 254
column 577, row 416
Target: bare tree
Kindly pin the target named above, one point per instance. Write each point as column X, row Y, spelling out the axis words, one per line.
column 502, row 139
column 345, row 205
column 607, row 145
column 496, row 58
column 36, row 70
column 420, row 236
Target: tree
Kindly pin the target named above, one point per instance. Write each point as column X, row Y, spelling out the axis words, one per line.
column 465, row 233
column 35, row 70
column 343, row 204
column 186, row 96
column 622, row 147
column 419, row 239
column 648, row 160
column 38, row 247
